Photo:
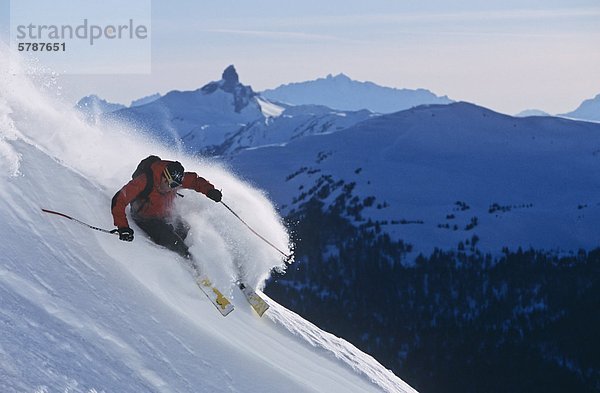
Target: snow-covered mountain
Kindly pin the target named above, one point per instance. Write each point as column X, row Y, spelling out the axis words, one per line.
column 92, row 107
column 294, row 122
column 226, row 115
column 588, row 110
column 532, row 112
column 198, row 118
column 83, row 312
column 145, row 100
column 342, row 93
column 439, row 175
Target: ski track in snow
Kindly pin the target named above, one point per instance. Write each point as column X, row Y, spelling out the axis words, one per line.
column 83, row 312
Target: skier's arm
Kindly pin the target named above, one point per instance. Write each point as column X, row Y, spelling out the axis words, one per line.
column 194, row 182
column 124, row 197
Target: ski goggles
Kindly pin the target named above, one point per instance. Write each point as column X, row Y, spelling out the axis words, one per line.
column 172, row 182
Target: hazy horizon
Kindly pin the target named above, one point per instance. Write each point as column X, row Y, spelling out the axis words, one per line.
column 508, row 56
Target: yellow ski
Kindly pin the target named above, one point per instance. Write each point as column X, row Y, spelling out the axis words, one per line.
column 222, row 304
column 258, row 303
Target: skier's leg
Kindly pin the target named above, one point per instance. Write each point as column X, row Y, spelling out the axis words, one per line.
column 182, row 228
column 164, row 234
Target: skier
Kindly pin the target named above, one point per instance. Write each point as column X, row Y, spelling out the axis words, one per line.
column 151, row 193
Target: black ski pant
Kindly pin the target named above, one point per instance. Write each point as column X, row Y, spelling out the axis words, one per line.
column 169, row 235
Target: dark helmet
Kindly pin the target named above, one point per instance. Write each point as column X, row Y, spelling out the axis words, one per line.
column 174, row 174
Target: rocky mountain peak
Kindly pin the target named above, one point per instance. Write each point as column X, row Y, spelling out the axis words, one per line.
column 230, row 83
column 230, row 76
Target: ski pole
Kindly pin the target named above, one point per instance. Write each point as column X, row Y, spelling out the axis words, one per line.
column 287, row 257
column 113, row 232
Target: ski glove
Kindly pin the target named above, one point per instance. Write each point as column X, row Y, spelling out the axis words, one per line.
column 215, row 195
column 125, row 234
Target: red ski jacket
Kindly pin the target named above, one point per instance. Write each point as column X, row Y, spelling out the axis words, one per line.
column 159, row 203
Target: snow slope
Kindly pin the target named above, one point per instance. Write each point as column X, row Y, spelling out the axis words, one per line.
column 83, row 312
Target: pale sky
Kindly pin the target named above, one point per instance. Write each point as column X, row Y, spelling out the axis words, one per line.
column 506, row 55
